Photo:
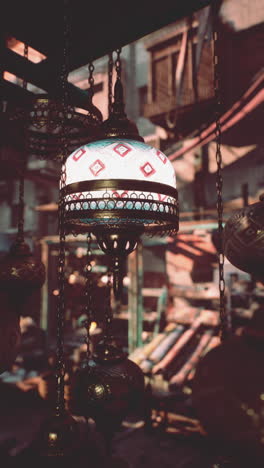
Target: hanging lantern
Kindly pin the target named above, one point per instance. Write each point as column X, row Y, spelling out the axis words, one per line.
column 119, row 188
column 19, row 271
column 228, row 395
column 43, row 120
column 108, row 388
column 57, row 442
column 244, row 239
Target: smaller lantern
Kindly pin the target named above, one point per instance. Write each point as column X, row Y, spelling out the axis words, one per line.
column 108, row 388
column 58, row 442
column 57, row 436
column 43, row 121
column 244, row 239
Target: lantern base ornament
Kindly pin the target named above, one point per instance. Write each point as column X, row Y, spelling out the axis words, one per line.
column 118, row 244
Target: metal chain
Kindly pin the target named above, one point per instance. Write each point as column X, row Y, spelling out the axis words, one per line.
column 110, row 82
column 108, row 309
column 60, row 374
column 88, row 295
column 24, row 82
column 118, row 63
column 219, row 188
column 21, row 203
column 91, row 78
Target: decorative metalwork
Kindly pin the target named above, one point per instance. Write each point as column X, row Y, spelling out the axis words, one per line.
column 110, row 386
column 20, row 271
column 118, row 187
column 244, row 239
column 42, row 117
column 93, row 206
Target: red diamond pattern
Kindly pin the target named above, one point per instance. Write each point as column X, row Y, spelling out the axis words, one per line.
column 162, row 157
column 78, row 154
column 122, row 149
column 97, row 167
column 147, row 169
column 162, row 197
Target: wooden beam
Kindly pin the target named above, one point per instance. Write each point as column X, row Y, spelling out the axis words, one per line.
column 48, row 81
column 93, row 31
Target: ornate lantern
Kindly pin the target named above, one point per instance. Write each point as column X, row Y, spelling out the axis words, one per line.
column 43, row 121
column 108, row 386
column 19, row 271
column 228, row 395
column 58, row 437
column 244, row 239
column 107, row 389
column 44, row 126
column 118, row 187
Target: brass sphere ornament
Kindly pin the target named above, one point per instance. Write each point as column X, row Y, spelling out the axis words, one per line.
column 244, row 239
column 108, row 388
column 20, row 271
column 228, row 394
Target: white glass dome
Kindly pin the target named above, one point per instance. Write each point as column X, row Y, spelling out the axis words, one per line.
column 120, row 182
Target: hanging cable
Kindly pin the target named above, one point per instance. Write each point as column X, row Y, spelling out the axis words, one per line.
column 91, row 79
column 88, row 296
column 224, row 325
column 118, row 64
column 110, row 82
column 108, row 309
column 21, row 204
column 60, row 374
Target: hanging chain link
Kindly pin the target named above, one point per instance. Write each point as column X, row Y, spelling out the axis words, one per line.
column 24, row 82
column 21, row 202
column 60, row 404
column 91, row 78
column 219, row 186
column 88, row 296
column 110, row 82
column 118, row 63
column 108, row 308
